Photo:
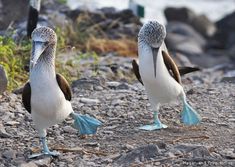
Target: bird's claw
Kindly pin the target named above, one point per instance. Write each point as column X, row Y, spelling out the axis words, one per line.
column 46, row 153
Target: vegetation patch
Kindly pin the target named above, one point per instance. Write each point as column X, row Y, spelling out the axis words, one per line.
column 14, row 59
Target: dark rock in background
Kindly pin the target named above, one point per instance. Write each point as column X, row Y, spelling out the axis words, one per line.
column 197, row 38
column 226, row 31
column 12, row 12
column 183, row 38
column 115, row 24
column 14, row 16
column 3, row 80
column 199, row 22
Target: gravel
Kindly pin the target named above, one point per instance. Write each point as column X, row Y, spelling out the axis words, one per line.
column 123, row 106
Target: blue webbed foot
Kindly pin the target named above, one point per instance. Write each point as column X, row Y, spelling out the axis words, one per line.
column 189, row 116
column 85, row 124
column 153, row 127
column 156, row 125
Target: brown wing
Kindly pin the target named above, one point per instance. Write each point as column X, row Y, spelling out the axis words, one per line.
column 171, row 66
column 186, row 70
column 64, row 86
column 135, row 68
column 26, row 97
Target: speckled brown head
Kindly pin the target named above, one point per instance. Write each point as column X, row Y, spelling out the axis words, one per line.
column 152, row 33
column 44, row 34
column 44, row 41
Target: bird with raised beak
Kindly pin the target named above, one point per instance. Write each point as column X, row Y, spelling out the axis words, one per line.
column 47, row 95
column 159, row 74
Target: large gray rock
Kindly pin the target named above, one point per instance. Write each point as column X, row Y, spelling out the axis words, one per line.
column 226, row 31
column 139, row 154
column 184, row 39
column 29, row 164
column 12, row 11
column 199, row 22
column 196, row 151
column 231, row 52
column 9, row 154
column 210, row 59
column 128, row 24
column 3, row 80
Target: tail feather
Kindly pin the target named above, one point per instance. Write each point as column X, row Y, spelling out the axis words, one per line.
column 186, row 70
column 85, row 124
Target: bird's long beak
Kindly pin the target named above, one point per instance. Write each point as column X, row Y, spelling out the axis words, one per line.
column 155, row 52
column 37, row 50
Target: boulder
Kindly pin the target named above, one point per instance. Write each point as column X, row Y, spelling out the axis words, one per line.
column 111, row 23
column 183, row 14
column 226, row 31
column 142, row 153
column 199, row 22
column 3, row 80
column 184, row 39
column 231, row 52
column 210, row 58
column 11, row 12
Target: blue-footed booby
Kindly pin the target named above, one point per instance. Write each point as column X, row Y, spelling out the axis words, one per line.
column 47, row 95
column 159, row 74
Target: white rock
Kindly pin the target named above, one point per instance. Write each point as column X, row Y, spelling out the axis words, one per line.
column 89, row 101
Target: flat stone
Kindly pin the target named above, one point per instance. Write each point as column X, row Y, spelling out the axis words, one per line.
column 93, row 144
column 69, row 129
column 3, row 132
column 30, row 164
column 80, row 163
column 89, row 101
column 123, row 86
column 196, row 151
column 43, row 162
column 9, row 154
column 113, row 84
column 139, row 154
column 201, row 151
column 88, row 83
column 228, row 153
column 12, row 123
column 117, row 102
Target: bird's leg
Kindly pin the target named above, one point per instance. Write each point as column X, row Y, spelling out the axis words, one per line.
column 189, row 116
column 157, row 123
column 45, row 150
column 85, row 124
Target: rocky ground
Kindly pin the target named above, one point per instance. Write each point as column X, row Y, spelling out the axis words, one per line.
column 123, row 106
column 108, row 90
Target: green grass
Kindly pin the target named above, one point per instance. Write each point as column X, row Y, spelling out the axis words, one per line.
column 62, row 1
column 14, row 57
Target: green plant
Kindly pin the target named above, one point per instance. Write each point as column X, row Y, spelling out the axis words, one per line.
column 13, row 58
column 62, row 1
